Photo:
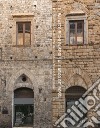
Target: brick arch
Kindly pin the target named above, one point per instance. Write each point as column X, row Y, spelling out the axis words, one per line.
column 11, row 83
column 77, row 80
column 83, row 78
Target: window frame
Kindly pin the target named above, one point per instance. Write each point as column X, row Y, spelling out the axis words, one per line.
column 23, row 23
column 22, row 18
column 76, row 17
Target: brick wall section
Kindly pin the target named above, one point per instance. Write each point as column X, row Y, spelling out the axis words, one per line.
column 83, row 60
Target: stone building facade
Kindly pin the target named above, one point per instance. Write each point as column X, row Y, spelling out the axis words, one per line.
column 33, row 61
column 76, row 61
column 36, row 55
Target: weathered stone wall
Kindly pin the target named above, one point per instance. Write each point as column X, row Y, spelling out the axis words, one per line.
column 34, row 61
column 74, row 65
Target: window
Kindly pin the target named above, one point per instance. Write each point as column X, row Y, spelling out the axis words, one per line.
column 76, row 32
column 73, row 94
column 76, row 28
column 23, row 33
column 23, row 29
column 23, row 107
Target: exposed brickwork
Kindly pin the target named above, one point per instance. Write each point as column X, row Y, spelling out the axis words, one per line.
column 51, row 65
column 74, row 65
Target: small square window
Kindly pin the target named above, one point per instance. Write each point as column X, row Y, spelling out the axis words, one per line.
column 76, row 32
column 23, row 33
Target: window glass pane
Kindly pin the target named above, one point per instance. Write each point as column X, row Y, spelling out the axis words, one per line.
column 23, row 33
column 72, row 28
column 76, row 32
column 72, row 33
column 23, row 115
column 23, row 111
column 73, row 94
column 20, row 39
column 80, row 32
column 20, row 27
column 72, row 39
column 79, row 39
column 79, row 25
column 27, row 27
column 27, row 33
column 72, row 25
column 20, row 34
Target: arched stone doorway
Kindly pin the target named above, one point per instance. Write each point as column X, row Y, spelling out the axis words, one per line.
column 23, row 107
column 22, row 79
column 72, row 94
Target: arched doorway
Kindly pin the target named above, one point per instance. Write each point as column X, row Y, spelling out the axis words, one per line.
column 23, row 107
column 73, row 94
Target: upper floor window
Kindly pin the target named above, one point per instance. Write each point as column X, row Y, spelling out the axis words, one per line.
column 76, row 28
column 23, row 29
column 23, row 33
column 76, row 32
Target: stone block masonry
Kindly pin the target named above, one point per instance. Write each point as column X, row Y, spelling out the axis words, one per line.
column 34, row 61
column 49, row 62
column 78, row 64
